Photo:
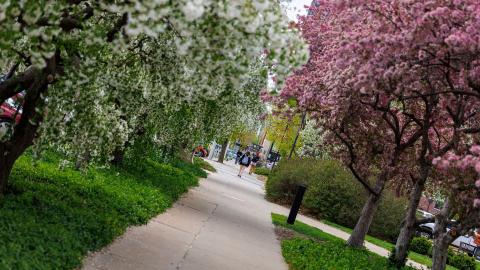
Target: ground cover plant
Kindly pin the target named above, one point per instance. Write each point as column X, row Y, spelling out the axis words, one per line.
column 412, row 255
column 203, row 164
column 262, row 171
column 312, row 249
column 51, row 218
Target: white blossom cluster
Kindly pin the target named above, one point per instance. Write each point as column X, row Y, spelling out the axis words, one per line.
column 173, row 66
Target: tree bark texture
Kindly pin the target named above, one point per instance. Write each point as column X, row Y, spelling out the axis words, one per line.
column 363, row 224
column 35, row 82
column 440, row 253
column 221, row 156
column 442, row 238
column 357, row 237
column 408, row 226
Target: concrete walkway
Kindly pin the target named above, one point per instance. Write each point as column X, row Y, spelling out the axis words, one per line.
column 223, row 224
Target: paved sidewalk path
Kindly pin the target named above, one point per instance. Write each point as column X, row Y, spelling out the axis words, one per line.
column 224, row 224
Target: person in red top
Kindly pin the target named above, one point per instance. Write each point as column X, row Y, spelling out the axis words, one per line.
column 476, row 236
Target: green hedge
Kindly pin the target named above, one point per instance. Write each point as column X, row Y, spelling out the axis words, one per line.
column 333, row 195
column 262, row 171
column 51, row 218
column 420, row 245
column 461, row 261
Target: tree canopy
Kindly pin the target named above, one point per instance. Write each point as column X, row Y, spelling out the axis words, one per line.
column 95, row 73
column 394, row 84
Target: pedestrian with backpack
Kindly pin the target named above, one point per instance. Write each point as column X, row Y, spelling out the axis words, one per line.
column 239, row 155
column 255, row 159
column 245, row 161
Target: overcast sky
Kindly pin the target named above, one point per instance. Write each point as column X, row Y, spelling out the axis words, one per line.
column 296, row 7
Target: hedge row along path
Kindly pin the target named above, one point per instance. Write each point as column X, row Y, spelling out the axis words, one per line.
column 225, row 223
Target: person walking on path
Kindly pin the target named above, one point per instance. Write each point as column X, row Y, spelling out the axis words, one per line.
column 244, row 161
column 239, row 155
column 255, row 159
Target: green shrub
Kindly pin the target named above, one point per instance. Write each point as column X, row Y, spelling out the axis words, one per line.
column 203, row 164
column 333, row 194
column 193, row 168
column 420, row 245
column 262, row 171
column 461, row 261
column 51, row 218
column 283, row 180
column 323, row 251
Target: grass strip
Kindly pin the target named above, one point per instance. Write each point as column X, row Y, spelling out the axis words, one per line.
column 318, row 250
column 203, row 164
column 51, row 218
column 419, row 258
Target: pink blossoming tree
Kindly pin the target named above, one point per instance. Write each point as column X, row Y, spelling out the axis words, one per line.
column 396, row 84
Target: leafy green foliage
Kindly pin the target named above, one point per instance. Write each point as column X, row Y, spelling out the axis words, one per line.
column 333, row 194
column 324, row 251
column 420, row 245
column 108, row 72
column 203, row 164
column 461, row 261
column 262, row 171
column 189, row 167
column 51, row 218
column 282, row 130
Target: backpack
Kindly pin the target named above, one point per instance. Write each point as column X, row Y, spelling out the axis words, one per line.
column 245, row 160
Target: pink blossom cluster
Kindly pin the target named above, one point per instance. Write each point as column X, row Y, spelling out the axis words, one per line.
column 464, row 167
column 381, row 72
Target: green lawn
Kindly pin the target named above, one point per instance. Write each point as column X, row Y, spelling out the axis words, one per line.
column 425, row 260
column 313, row 249
column 51, row 218
column 203, row 164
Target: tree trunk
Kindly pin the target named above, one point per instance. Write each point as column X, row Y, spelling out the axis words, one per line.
column 302, row 124
column 363, row 224
column 442, row 238
column 5, row 170
column 118, row 156
column 221, row 156
column 408, row 226
column 440, row 253
column 8, row 155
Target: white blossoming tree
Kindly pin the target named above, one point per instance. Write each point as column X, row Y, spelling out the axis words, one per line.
column 91, row 72
column 313, row 141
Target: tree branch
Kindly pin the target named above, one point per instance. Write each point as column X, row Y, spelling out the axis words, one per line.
column 122, row 21
column 362, row 181
column 15, row 84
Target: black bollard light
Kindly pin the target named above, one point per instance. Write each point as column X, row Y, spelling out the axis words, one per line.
column 296, row 204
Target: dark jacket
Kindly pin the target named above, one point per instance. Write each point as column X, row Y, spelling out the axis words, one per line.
column 239, row 153
column 245, row 164
column 255, row 159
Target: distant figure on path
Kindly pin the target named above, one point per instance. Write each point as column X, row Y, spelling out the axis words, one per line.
column 255, row 159
column 245, row 161
column 239, row 155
